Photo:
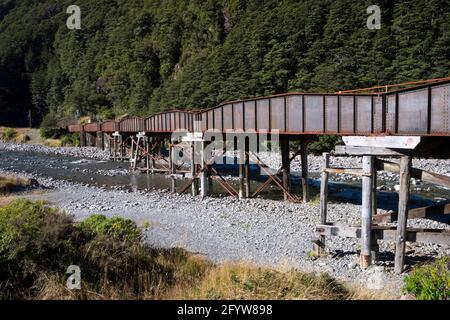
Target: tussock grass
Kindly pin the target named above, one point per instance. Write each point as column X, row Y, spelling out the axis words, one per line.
column 52, row 143
column 11, row 184
column 245, row 281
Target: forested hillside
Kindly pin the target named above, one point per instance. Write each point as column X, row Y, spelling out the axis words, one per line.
column 143, row 56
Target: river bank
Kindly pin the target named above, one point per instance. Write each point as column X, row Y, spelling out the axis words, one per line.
column 260, row 231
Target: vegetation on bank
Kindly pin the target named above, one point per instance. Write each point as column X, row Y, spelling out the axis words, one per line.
column 12, row 184
column 430, row 281
column 38, row 243
column 141, row 57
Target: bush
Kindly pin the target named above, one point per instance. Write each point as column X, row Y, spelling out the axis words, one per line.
column 117, row 228
column 49, row 127
column 70, row 140
column 22, row 138
column 430, row 282
column 38, row 243
column 9, row 134
column 33, row 238
column 326, row 143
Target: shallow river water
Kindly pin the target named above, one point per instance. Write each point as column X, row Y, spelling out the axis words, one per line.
column 115, row 175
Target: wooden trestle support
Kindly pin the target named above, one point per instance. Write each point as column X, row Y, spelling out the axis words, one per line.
column 144, row 154
column 372, row 228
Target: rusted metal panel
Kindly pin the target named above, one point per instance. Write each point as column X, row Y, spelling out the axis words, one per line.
column 331, row 114
column 391, row 112
column 227, row 117
column 278, row 114
column 238, row 116
column 75, row 128
column 183, row 121
column 167, row 121
column 149, row 124
column 190, row 122
column 110, row 126
column 413, row 112
column 440, row 111
column 314, row 117
column 210, row 120
column 346, row 115
column 132, row 125
column 294, row 113
column 157, row 123
column 218, row 124
column 250, row 115
column 92, row 127
column 163, row 122
column 201, row 121
column 363, row 116
column 378, row 114
column 263, row 114
column 173, row 121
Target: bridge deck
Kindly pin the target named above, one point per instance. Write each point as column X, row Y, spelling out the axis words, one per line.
column 422, row 110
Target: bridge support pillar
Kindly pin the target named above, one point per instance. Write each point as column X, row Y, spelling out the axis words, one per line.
column 304, row 163
column 203, row 176
column 194, row 187
column 106, row 142
column 367, row 210
column 82, row 139
column 99, row 140
column 247, row 168
column 286, row 165
column 400, row 238
column 90, row 139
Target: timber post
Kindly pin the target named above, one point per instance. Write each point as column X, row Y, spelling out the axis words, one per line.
column 400, row 239
column 247, row 168
column 194, row 187
column 203, row 175
column 324, row 197
column 286, row 165
column 366, row 213
column 304, row 163
column 82, row 139
column 173, row 166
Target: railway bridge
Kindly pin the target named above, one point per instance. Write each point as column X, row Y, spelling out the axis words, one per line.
column 402, row 123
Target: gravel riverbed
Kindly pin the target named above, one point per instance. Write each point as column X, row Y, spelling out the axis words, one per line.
column 260, row 231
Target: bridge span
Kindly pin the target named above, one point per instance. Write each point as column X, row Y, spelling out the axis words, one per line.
column 405, row 123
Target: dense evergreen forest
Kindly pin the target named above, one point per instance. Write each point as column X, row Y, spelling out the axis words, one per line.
column 143, row 56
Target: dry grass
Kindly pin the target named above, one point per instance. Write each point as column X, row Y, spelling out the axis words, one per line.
column 5, row 201
column 247, row 282
column 197, row 279
column 9, row 184
column 53, row 143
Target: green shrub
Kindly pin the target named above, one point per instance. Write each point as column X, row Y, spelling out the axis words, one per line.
column 326, row 143
column 430, row 282
column 49, row 128
column 30, row 227
column 118, row 228
column 9, row 134
column 70, row 140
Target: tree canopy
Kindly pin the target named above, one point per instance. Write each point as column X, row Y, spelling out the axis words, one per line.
column 144, row 56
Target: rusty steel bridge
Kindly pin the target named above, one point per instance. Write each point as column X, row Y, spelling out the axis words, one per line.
column 404, row 123
column 420, row 111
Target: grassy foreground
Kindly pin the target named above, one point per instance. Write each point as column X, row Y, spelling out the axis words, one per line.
column 38, row 243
